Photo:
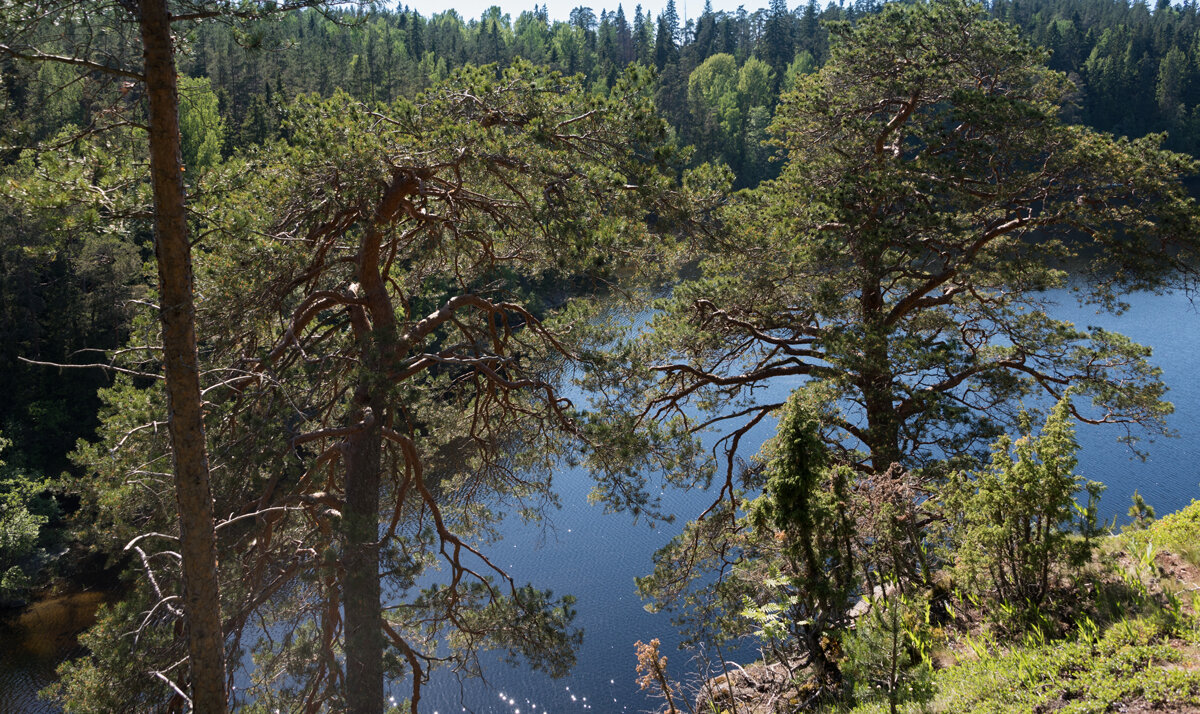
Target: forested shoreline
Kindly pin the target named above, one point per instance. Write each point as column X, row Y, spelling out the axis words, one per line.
column 409, row 238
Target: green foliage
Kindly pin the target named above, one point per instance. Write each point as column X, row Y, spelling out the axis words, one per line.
column 826, row 274
column 1135, row 69
column 806, row 508
column 788, row 568
column 1131, row 660
column 730, row 110
column 59, row 94
column 1177, row 532
column 1141, row 513
column 802, row 65
column 71, row 231
column 874, row 268
column 531, row 627
column 889, row 652
column 912, row 359
column 458, row 205
column 755, row 81
column 1010, row 522
column 25, row 510
column 201, row 127
column 713, row 91
column 114, row 677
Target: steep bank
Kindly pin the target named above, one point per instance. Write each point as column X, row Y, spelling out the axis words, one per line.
column 1135, row 646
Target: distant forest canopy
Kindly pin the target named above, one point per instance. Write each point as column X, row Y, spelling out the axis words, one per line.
column 719, row 75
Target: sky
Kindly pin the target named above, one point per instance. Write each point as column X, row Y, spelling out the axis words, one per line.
column 560, row 9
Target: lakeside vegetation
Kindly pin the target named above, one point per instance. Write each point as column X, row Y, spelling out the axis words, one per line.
column 380, row 250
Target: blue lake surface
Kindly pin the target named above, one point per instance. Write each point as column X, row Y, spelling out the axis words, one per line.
column 596, row 556
column 1169, row 478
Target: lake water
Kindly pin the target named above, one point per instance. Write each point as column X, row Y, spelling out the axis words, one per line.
column 1169, row 478
column 33, row 644
column 596, row 557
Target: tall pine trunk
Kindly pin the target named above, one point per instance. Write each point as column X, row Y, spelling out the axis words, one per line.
column 202, row 602
column 377, row 333
column 360, row 585
column 875, row 382
column 875, row 369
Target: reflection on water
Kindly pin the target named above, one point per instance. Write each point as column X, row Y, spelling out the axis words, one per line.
column 35, row 642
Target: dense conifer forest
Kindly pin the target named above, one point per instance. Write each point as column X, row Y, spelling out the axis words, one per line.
column 298, row 301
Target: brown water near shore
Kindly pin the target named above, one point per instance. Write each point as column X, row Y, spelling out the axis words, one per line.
column 34, row 641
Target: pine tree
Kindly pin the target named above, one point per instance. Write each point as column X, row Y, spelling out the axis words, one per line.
column 778, row 45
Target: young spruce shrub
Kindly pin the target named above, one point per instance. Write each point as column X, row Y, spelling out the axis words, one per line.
column 888, row 654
